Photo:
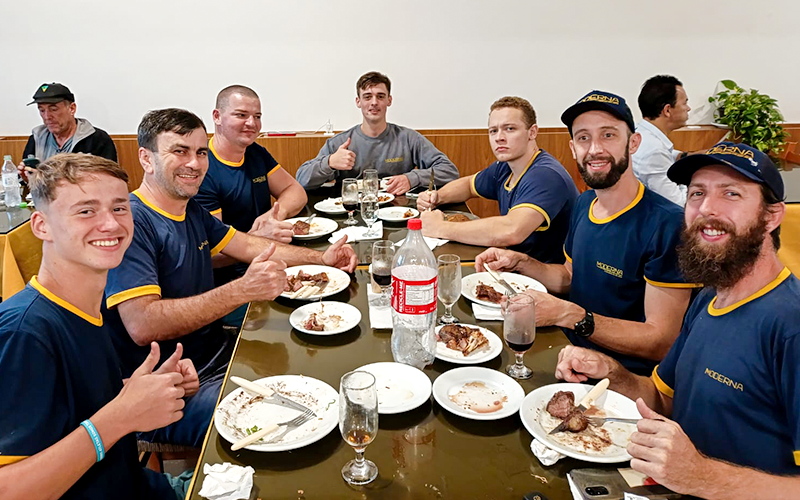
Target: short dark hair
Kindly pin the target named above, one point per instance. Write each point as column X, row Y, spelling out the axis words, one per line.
column 528, row 113
column 656, row 93
column 768, row 199
column 71, row 168
column 370, row 79
column 226, row 93
column 156, row 122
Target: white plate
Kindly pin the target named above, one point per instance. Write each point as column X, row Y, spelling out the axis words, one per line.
column 384, row 198
column 538, row 422
column 329, row 206
column 517, row 281
column 350, row 315
column 396, row 214
column 400, row 387
column 338, row 280
column 493, row 383
column 485, row 353
column 242, row 410
column 320, row 226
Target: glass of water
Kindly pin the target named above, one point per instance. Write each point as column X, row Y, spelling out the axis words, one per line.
column 358, row 423
column 369, row 212
column 449, row 285
column 519, row 330
column 371, row 182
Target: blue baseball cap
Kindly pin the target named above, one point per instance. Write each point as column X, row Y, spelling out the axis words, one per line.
column 597, row 100
column 745, row 159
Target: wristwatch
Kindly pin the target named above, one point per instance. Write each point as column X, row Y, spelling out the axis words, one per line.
column 585, row 327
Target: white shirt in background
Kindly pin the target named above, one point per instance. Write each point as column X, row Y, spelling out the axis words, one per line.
column 652, row 160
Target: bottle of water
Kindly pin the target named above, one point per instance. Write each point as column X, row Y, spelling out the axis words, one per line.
column 414, row 282
column 11, row 183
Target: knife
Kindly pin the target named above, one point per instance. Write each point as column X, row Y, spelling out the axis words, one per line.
column 494, row 274
column 268, row 394
column 586, row 402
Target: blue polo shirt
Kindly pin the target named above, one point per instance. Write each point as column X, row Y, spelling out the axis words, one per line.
column 59, row 368
column 544, row 186
column 734, row 376
column 613, row 259
column 170, row 256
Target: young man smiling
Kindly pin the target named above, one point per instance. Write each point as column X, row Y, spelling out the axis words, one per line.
column 534, row 191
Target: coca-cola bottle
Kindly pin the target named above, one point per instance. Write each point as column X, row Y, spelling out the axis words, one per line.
column 414, row 282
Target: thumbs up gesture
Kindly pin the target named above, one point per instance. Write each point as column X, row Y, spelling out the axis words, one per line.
column 272, row 226
column 343, row 158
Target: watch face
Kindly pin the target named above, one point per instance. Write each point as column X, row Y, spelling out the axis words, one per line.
column 585, row 327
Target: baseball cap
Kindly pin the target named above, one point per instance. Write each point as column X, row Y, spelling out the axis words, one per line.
column 600, row 101
column 745, row 159
column 48, row 93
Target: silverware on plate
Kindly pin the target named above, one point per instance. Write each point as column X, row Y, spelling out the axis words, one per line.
column 270, row 396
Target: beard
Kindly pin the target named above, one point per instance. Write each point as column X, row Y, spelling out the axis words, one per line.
column 720, row 266
column 604, row 181
column 170, row 185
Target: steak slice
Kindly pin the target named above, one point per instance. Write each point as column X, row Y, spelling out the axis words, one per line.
column 301, row 227
column 456, row 218
column 561, row 404
column 576, row 421
column 487, row 293
column 313, row 324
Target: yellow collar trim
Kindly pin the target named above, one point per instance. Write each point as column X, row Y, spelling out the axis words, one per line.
column 178, row 218
column 66, row 305
column 785, row 273
column 608, row 219
column 218, row 157
column 511, row 188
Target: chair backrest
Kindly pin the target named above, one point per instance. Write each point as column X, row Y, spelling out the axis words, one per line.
column 790, row 238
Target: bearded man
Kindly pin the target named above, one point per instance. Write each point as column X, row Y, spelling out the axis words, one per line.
column 730, row 382
column 626, row 294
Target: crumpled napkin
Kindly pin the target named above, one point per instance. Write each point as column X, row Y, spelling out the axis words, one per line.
column 356, row 233
column 431, row 242
column 486, row 313
column 227, row 482
column 380, row 317
column 547, row 456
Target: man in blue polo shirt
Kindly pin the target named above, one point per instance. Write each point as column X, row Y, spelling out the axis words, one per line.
column 164, row 287
column 731, row 382
column 626, row 293
column 67, row 421
column 535, row 193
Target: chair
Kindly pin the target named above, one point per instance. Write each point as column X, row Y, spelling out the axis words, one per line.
column 790, row 238
column 152, row 455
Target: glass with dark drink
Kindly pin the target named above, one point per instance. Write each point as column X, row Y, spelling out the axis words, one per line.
column 350, row 200
column 519, row 330
column 381, row 268
column 358, row 423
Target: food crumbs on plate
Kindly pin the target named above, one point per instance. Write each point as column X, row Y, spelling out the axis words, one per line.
column 301, row 494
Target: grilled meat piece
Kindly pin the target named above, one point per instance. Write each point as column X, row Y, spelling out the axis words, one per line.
column 487, row 293
column 408, row 214
column 313, row 324
column 462, row 338
column 456, row 218
column 296, row 282
column 561, row 404
column 301, row 227
column 576, row 421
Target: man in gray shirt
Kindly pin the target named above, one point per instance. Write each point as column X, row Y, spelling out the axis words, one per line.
column 393, row 150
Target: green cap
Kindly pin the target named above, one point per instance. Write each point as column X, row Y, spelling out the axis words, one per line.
column 7, row 158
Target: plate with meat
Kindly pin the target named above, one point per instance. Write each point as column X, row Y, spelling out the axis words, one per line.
column 466, row 344
column 311, row 282
column 241, row 413
column 478, row 393
column 483, row 289
column 397, row 214
column 548, row 406
column 400, row 387
column 325, row 318
column 454, row 216
column 320, row 226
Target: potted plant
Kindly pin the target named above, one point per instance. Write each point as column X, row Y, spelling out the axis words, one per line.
column 753, row 117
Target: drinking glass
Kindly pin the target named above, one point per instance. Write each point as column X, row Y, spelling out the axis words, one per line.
column 350, row 200
column 382, row 256
column 358, row 423
column 449, row 285
column 369, row 212
column 519, row 330
column 371, row 182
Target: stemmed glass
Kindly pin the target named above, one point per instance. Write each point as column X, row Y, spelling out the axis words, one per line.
column 449, row 285
column 369, row 212
column 519, row 330
column 350, row 200
column 358, row 423
column 382, row 256
column 371, row 182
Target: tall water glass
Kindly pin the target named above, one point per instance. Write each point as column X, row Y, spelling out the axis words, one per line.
column 519, row 330
column 382, row 255
column 358, row 423
column 449, row 285
column 350, row 200
column 371, row 182
column 369, row 212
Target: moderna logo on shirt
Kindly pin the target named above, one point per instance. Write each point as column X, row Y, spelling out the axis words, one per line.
column 722, row 379
column 394, row 160
column 613, row 271
column 203, row 245
column 260, row 179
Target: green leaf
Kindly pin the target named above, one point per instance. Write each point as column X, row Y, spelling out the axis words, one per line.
column 729, row 84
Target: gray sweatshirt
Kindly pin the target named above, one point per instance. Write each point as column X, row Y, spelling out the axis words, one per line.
column 396, row 151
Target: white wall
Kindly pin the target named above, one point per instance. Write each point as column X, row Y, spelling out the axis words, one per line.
column 448, row 59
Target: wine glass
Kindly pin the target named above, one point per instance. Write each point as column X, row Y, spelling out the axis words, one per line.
column 382, row 256
column 371, row 182
column 369, row 212
column 350, row 200
column 358, row 423
column 519, row 330
column 449, row 285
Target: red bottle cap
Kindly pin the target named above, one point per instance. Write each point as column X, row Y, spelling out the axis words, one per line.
column 414, row 224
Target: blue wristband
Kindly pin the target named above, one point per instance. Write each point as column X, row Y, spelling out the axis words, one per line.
column 96, row 441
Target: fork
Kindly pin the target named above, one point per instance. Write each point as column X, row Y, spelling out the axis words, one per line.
column 598, row 421
column 289, row 424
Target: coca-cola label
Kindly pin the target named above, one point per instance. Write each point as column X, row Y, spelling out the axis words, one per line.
column 414, row 297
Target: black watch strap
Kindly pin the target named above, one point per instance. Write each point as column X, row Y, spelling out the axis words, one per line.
column 585, row 327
